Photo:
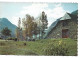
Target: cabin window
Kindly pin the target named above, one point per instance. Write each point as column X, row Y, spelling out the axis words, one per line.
column 65, row 33
column 65, row 23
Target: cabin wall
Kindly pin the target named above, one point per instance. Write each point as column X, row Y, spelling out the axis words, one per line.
column 56, row 32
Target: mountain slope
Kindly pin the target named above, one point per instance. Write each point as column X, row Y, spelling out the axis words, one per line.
column 75, row 12
column 4, row 22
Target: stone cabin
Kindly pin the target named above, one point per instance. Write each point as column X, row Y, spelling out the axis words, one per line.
column 64, row 27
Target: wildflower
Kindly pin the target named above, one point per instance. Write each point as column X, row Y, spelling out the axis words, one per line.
column 60, row 42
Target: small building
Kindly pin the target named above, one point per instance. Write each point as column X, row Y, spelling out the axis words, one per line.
column 64, row 27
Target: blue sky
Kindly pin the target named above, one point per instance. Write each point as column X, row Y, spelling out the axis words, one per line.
column 13, row 11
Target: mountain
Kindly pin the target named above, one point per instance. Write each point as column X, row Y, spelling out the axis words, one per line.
column 75, row 12
column 4, row 22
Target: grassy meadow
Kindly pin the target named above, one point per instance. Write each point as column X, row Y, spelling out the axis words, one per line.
column 54, row 47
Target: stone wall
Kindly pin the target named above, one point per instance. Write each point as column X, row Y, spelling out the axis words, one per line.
column 56, row 32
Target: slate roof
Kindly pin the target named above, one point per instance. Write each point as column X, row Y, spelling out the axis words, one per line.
column 66, row 16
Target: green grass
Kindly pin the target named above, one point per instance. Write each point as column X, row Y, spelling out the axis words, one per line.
column 35, row 47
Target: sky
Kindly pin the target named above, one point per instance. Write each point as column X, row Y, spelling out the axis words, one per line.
column 13, row 10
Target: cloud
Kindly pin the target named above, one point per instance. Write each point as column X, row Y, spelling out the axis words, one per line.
column 14, row 20
column 55, row 13
column 52, row 13
column 35, row 9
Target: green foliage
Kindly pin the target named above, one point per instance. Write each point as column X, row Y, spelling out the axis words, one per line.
column 30, row 27
column 6, row 31
column 58, row 49
column 44, row 21
column 12, row 38
column 30, row 53
column 66, row 47
column 0, row 38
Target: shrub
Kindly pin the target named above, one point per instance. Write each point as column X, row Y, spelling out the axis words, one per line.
column 24, row 44
column 31, row 39
column 0, row 38
column 12, row 38
column 58, row 49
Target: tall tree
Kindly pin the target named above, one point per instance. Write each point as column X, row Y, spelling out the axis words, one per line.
column 6, row 31
column 18, row 30
column 44, row 21
column 35, row 29
column 19, row 23
column 28, row 24
column 17, row 33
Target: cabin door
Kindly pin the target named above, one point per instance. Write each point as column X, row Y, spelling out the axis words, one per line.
column 65, row 33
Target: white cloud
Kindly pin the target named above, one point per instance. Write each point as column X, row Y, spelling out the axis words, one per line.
column 14, row 20
column 55, row 13
column 36, row 8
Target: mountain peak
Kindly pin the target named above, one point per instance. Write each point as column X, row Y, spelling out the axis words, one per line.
column 4, row 22
column 3, row 19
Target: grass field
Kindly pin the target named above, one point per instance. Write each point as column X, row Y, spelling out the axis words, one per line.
column 39, row 47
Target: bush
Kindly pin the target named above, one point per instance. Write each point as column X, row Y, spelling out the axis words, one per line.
column 58, row 49
column 0, row 38
column 31, row 39
column 24, row 44
column 11, row 38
